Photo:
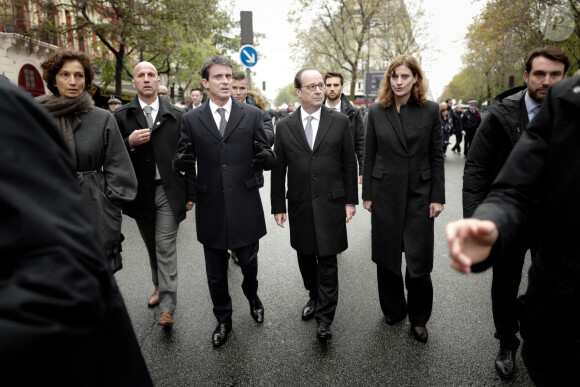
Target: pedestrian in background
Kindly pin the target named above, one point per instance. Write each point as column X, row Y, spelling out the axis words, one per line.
column 538, row 186
column 470, row 121
column 403, row 188
column 335, row 99
column 113, row 103
column 150, row 128
column 104, row 174
column 458, row 129
column 446, row 127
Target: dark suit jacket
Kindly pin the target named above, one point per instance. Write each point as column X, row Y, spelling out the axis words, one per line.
column 160, row 149
column 62, row 319
column 544, row 167
column 228, row 208
column 403, row 174
column 321, row 181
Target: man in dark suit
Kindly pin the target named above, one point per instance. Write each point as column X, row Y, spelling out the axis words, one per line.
column 538, row 186
column 315, row 147
column 509, row 114
column 150, row 127
column 62, row 318
column 227, row 140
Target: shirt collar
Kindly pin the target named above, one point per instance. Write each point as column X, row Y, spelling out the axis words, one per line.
column 154, row 105
column 214, row 107
column 316, row 114
column 530, row 103
column 337, row 107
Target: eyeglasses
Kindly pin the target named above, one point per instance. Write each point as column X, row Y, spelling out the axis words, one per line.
column 404, row 77
column 321, row 86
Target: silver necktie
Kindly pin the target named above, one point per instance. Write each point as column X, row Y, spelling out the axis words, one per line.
column 308, row 130
column 147, row 109
column 223, row 122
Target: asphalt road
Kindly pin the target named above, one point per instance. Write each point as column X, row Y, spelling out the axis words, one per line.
column 284, row 350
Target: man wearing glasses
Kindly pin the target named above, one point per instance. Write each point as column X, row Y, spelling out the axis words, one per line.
column 315, row 147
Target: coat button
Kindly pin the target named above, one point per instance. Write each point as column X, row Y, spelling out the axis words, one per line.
column 314, row 177
column 313, row 157
column 315, row 196
column 224, row 166
column 223, row 144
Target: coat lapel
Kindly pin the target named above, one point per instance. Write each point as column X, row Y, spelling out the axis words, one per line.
column 393, row 117
column 75, row 123
column 207, row 120
column 138, row 113
column 297, row 128
column 326, row 119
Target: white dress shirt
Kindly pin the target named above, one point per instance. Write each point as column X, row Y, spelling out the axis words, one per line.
column 216, row 116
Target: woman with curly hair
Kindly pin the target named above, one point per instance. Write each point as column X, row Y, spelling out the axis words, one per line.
column 403, row 188
column 101, row 162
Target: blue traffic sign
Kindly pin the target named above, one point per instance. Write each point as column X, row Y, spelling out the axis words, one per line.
column 248, row 55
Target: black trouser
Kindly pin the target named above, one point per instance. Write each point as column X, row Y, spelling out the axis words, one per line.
column 469, row 134
column 320, row 276
column 392, row 296
column 457, row 146
column 216, row 267
column 507, row 274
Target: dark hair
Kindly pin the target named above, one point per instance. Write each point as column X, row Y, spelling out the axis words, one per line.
column 297, row 78
column 550, row 52
column 331, row 74
column 449, row 99
column 213, row 61
column 54, row 63
column 419, row 89
column 196, row 89
column 238, row 76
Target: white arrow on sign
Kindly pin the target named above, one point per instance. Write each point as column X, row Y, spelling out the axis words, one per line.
column 251, row 58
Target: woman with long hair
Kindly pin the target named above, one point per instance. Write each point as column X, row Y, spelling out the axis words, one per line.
column 403, row 188
column 101, row 162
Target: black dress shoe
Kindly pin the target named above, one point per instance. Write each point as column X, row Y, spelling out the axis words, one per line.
column 308, row 311
column 393, row 321
column 420, row 334
column 257, row 310
column 220, row 334
column 323, row 332
column 504, row 363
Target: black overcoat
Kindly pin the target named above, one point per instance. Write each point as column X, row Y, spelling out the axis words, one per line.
column 62, row 319
column 403, row 174
column 160, row 150
column 544, row 167
column 321, row 181
column 228, row 208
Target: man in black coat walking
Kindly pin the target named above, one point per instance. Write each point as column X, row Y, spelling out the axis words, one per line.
column 315, row 149
column 508, row 117
column 150, row 128
column 226, row 139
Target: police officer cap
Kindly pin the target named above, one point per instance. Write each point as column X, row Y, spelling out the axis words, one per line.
column 114, row 100
column 472, row 102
